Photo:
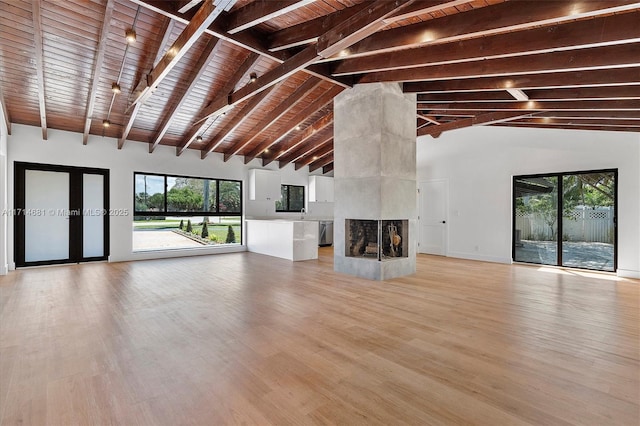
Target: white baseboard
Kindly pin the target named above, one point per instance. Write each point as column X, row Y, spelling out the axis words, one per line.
column 628, row 273
column 481, row 257
column 4, row 269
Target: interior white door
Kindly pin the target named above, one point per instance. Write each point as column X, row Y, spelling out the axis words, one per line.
column 433, row 217
column 46, row 215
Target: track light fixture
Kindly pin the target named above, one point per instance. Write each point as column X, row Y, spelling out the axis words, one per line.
column 130, row 35
column 253, row 77
column 115, row 88
column 198, row 138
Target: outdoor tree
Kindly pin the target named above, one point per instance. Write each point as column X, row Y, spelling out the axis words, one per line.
column 231, row 235
column 205, row 231
column 189, row 227
column 181, row 224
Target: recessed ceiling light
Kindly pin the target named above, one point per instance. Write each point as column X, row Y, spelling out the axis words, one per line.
column 115, row 88
column 130, row 35
column 253, row 77
column 198, row 138
column 298, row 127
column 315, row 157
column 106, row 123
column 266, row 151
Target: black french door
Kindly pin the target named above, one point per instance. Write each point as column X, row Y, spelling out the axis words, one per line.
column 61, row 214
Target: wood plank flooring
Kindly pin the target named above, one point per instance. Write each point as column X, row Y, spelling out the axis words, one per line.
column 249, row 339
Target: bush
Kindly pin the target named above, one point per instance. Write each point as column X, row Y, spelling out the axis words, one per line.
column 205, row 231
column 231, row 236
column 213, row 237
column 181, row 224
column 189, row 227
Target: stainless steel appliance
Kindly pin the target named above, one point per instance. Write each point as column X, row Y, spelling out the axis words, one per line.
column 325, row 234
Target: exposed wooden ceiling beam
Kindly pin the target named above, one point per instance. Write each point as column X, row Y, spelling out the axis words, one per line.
column 231, row 83
column 601, row 115
column 428, row 119
column 319, row 157
column 97, row 69
column 503, row 17
column 358, row 26
column 620, row 56
column 260, row 11
column 582, row 127
column 322, row 160
column 573, row 79
column 207, row 13
column 607, row 30
column 624, row 105
column 327, row 169
column 274, row 115
column 559, row 94
column 167, row 28
column 309, row 31
column 39, row 59
column 297, row 120
column 615, row 122
column 5, row 120
column 185, row 5
column 320, row 138
column 240, row 116
column 243, row 39
column 191, row 81
column 300, row 138
column 483, row 119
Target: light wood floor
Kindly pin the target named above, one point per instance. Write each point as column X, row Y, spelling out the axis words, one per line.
column 250, row 339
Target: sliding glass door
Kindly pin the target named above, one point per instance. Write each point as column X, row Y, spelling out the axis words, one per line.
column 566, row 219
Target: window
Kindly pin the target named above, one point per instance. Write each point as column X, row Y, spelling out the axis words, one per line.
column 292, row 198
column 185, row 212
column 566, row 219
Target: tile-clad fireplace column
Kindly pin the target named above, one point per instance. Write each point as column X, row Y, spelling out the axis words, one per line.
column 375, row 200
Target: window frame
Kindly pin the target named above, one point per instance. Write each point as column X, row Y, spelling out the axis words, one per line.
column 166, row 212
column 287, row 206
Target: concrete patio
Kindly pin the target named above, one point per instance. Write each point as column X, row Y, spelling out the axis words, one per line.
column 589, row 255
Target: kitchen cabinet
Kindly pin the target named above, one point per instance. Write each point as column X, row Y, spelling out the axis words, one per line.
column 289, row 239
column 321, row 189
column 264, row 185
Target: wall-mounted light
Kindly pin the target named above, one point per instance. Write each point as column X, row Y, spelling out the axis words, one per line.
column 198, row 138
column 253, row 77
column 130, row 35
column 106, row 123
column 115, row 88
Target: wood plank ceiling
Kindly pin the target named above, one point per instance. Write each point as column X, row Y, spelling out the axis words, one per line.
column 256, row 78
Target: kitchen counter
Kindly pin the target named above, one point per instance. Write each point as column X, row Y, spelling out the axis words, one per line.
column 288, row 239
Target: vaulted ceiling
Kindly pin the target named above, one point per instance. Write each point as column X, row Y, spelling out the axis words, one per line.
column 256, row 78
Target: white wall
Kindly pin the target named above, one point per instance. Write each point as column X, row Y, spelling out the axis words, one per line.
column 4, row 208
column 65, row 148
column 479, row 164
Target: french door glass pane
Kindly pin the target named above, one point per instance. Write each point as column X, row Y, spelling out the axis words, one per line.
column 46, row 216
column 93, row 215
column 536, row 220
column 588, row 228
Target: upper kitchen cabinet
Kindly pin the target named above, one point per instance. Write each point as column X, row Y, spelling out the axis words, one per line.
column 321, row 189
column 264, row 185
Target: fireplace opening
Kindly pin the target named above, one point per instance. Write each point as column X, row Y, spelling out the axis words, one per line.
column 377, row 239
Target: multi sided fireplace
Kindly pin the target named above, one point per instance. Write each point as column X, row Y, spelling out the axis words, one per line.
column 377, row 239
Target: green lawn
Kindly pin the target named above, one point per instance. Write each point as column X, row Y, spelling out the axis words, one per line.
column 218, row 229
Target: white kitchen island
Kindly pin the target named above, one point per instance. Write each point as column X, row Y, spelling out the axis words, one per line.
column 288, row 239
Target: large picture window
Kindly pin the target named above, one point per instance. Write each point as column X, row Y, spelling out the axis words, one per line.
column 566, row 219
column 292, row 199
column 173, row 212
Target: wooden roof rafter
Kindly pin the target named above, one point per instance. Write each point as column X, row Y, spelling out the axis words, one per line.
column 482, row 119
column 320, row 155
column 196, row 73
column 260, row 11
column 38, row 35
column 319, row 139
column 274, row 115
column 134, row 109
column 298, row 120
column 97, row 69
column 5, row 119
column 322, row 160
